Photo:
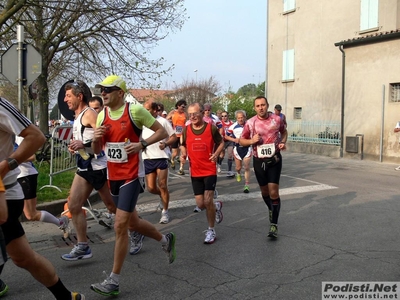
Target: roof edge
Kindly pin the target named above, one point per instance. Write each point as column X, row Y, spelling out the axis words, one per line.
column 376, row 38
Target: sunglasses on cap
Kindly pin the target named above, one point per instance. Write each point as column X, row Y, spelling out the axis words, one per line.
column 108, row 90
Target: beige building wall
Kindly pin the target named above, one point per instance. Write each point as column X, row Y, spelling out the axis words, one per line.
column 369, row 72
column 312, row 30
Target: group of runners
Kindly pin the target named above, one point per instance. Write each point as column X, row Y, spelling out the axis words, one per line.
column 230, row 130
column 121, row 145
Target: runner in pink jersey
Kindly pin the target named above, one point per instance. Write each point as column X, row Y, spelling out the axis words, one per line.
column 267, row 134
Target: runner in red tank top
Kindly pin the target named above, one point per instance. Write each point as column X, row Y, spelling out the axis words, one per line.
column 118, row 130
column 198, row 141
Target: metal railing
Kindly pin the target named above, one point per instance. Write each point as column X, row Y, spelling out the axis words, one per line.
column 55, row 152
column 314, row 132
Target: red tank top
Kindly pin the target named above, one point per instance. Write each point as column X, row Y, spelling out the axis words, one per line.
column 199, row 148
column 120, row 165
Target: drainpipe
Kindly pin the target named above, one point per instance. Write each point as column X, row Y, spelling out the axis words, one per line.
column 382, row 125
column 342, row 104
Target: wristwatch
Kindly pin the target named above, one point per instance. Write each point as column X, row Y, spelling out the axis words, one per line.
column 12, row 163
column 144, row 144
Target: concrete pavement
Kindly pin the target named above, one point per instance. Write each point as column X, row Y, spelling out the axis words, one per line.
column 338, row 222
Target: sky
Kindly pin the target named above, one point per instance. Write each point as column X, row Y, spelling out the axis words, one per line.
column 225, row 39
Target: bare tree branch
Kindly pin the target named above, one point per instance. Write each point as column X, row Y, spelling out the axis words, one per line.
column 89, row 39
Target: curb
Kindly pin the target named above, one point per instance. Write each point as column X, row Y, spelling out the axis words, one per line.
column 57, row 207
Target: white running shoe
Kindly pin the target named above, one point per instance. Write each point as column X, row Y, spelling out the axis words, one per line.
column 210, row 236
column 108, row 221
column 230, row 174
column 78, row 253
column 108, row 287
column 136, row 242
column 218, row 212
column 160, row 205
column 164, row 218
column 64, row 221
column 197, row 209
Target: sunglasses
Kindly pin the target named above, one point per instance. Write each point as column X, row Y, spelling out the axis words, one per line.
column 196, row 114
column 224, row 116
column 108, row 90
column 76, row 86
column 207, row 110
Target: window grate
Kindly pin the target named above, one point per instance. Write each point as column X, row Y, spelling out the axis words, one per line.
column 297, row 113
column 395, row 92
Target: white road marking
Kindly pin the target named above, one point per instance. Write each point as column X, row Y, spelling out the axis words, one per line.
column 237, row 197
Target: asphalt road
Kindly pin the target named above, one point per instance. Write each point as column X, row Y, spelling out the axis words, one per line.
column 339, row 222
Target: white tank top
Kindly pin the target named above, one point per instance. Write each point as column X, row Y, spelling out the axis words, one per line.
column 85, row 134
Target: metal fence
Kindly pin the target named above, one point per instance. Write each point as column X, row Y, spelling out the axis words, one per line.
column 55, row 152
column 314, row 132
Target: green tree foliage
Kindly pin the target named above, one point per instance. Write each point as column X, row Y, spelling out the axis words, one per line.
column 239, row 102
column 248, row 90
column 244, row 98
column 260, row 89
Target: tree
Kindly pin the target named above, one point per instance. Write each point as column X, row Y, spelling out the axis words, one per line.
column 54, row 113
column 252, row 90
column 94, row 38
column 260, row 89
column 248, row 90
column 239, row 102
column 244, row 98
column 8, row 9
column 201, row 91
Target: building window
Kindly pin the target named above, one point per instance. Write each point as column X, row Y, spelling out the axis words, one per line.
column 288, row 65
column 369, row 14
column 297, row 113
column 395, row 92
column 289, row 5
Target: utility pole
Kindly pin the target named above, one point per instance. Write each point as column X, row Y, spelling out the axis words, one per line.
column 20, row 38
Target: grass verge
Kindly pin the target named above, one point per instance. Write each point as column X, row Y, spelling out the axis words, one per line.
column 62, row 181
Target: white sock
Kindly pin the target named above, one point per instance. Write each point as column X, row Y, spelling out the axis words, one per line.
column 163, row 240
column 115, row 277
column 47, row 217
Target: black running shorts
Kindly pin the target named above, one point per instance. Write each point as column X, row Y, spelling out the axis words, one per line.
column 267, row 174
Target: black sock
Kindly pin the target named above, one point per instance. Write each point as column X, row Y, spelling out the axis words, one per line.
column 267, row 201
column 60, row 291
column 276, row 207
column 219, row 160
column 230, row 161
